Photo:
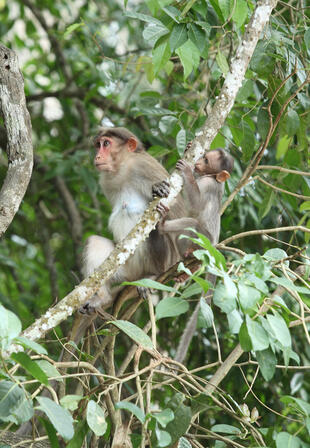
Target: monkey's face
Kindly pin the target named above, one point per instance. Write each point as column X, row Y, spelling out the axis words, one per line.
column 210, row 163
column 107, row 150
column 112, row 151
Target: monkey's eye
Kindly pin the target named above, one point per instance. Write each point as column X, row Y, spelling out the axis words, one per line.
column 206, row 161
column 97, row 144
column 106, row 142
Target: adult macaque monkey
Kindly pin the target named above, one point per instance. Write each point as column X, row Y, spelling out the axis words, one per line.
column 203, row 200
column 129, row 178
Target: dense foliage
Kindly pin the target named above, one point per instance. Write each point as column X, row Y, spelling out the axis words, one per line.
column 157, row 67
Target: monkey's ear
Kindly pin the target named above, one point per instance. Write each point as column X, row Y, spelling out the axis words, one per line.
column 132, row 144
column 222, row 176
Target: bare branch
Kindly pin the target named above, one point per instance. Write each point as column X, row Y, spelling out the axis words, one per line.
column 19, row 143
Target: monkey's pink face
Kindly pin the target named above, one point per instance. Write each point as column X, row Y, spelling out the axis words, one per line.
column 210, row 163
column 106, row 150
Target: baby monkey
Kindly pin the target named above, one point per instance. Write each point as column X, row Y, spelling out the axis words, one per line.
column 203, row 196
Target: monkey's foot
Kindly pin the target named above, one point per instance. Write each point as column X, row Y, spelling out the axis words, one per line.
column 143, row 292
column 161, row 189
column 88, row 308
column 96, row 304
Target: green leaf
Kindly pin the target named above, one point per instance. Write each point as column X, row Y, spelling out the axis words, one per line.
column 131, row 408
column 248, row 296
column 59, row 417
column 71, row 402
column 32, row 345
column 280, row 330
column 205, row 285
column 153, row 32
column 225, row 295
column 244, row 338
column 184, row 443
column 257, row 334
column 305, row 206
column 275, row 254
column 213, row 254
column 15, row 406
column 302, row 405
column 30, row 366
column 10, row 327
column 268, row 202
column 257, row 282
column 49, row 369
column 51, row 432
column 284, row 439
column 142, row 17
column 189, row 56
column 307, row 38
column 267, row 363
column 263, row 122
column 222, row 62
column 161, row 54
column 170, row 307
column 163, row 438
column 226, row 429
column 181, row 421
column 178, row 36
column 292, row 122
column 80, row 433
column 191, row 290
column 197, row 36
column 234, row 321
column 284, row 144
column 164, row 417
column 289, row 284
column 172, row 12
column 262, row 61
column 181, row 141
column 134, row 332
column 225, row 8
column 95, row 418
column 207, row 313
column 72, row 28
column 152, row 284
column 240, row 12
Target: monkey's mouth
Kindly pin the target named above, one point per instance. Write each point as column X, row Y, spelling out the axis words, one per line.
column 100, row 166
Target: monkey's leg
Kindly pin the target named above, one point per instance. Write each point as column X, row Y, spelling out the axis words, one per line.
column 96, row 250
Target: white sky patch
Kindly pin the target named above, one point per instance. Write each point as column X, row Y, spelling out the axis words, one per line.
column 107, row 122
column 42, row 80
column 52, row 109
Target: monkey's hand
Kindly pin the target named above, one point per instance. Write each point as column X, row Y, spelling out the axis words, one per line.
column 184, row 167
column 161, row 189
column 96, row 303
column 188, row 146
column 163, row 210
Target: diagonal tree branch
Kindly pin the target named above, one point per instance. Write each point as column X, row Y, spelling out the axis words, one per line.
column 19, row 143
column 148, row 221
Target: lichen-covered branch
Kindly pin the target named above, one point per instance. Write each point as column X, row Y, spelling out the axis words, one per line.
column 201, row 143
column 19, row 142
